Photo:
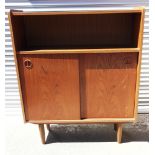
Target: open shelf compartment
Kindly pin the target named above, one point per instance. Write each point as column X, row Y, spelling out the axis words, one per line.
column 76, row 31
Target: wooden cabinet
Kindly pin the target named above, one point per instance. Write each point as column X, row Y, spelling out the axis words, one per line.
column 78, row 66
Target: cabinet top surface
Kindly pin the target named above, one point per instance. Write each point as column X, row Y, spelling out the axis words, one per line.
column 79, row 11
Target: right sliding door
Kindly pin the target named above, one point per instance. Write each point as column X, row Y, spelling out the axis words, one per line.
column 108, row 84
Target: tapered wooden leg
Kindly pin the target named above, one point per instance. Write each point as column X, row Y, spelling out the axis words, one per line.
column 48, row 127
column 115, row 127
column 119, row 133
column 42, row 133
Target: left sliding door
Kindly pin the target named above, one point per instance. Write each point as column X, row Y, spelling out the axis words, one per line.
column 50, row 86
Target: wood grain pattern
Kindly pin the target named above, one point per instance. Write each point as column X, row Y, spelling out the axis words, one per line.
column 51, row 88
column 108, row 84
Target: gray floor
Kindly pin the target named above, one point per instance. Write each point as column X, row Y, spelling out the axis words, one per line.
column 24, row 139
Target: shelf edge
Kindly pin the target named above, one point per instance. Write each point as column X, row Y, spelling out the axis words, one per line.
column 67, row 12
column 79, row 51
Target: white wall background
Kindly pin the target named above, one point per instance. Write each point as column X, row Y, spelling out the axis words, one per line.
column 12, row 100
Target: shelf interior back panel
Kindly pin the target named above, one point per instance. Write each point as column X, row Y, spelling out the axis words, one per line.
column 74, row 31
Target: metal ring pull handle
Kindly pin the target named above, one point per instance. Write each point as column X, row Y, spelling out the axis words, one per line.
column 28, row 64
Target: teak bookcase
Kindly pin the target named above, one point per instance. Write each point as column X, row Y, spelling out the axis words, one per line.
column 78, row 66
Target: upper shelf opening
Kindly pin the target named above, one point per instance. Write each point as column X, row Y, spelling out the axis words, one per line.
column 75, row 31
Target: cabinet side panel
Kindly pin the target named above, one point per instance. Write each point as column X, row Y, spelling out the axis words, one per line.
column 51, row 87
column 15, row 37
column 140, row 43
column 108, row 84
